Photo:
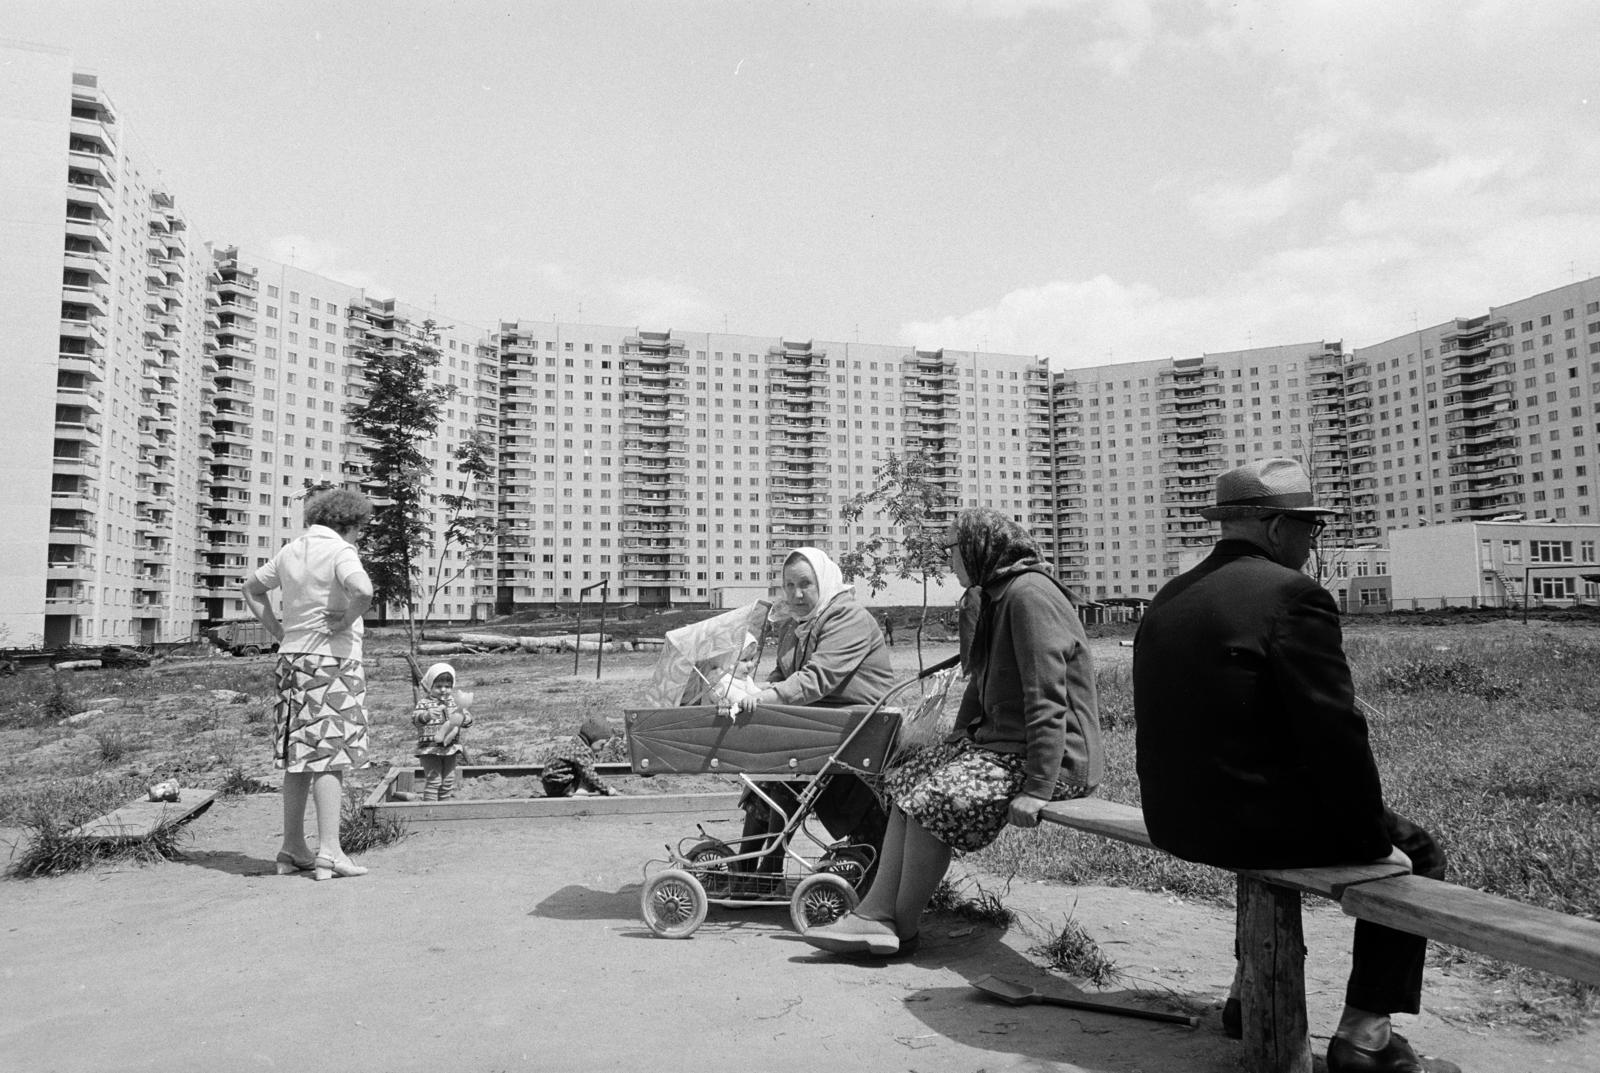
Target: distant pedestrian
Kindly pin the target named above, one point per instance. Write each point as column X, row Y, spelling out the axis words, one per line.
column 888, row 630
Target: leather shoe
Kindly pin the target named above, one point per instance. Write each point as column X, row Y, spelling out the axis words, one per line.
column 1395, row 1057
column 851, row 934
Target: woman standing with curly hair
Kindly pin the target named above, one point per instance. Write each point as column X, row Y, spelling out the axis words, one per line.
column 1028, row 733
column 319, row 723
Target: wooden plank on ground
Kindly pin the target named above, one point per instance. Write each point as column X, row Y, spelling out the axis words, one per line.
column 139, row 819
column 1111, row 819
column 1500, row 927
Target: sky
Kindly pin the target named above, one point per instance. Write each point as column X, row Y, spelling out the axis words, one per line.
column 1091, row 182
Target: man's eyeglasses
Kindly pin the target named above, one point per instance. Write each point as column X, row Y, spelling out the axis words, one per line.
column 1316, row 525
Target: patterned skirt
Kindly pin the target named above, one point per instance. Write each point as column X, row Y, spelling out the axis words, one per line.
column 961, row 793
column 319, row 722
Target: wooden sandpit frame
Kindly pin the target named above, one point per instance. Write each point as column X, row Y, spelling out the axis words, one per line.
column 383, row 804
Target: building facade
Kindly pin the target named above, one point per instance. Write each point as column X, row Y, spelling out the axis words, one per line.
column 105, row 319
column 171, row 399
column 1495, row 564
column 676, row 465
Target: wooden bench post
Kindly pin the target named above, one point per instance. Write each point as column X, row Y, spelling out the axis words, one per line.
column 1272, row 952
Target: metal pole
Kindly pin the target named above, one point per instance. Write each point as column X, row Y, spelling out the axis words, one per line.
column 600, row 649
column 1526, row 570
column 577, row 636
column 577, row 646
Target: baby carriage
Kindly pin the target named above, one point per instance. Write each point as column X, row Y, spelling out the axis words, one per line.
column 689, row 729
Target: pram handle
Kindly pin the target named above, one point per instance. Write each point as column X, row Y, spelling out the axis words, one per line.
column 942, row 665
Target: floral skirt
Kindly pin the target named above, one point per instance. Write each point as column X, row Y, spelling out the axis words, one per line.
column 319, row 722
column 961, row 793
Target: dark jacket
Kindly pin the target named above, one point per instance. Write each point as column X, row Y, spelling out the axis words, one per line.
column 1251, row 752
column 841, row 660
column 1032, row 690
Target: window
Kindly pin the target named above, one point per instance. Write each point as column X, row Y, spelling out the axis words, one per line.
column 1550, row 551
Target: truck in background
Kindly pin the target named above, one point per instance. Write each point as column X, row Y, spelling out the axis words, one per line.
column 245, row 637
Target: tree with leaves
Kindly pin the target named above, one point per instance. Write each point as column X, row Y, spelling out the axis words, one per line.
column 912, row 502
column 470, row 523
column 399, row 415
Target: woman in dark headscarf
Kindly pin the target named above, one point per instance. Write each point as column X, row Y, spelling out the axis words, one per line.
column 1027, row 733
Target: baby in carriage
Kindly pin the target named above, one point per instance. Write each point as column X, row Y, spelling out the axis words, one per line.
column 739, row 682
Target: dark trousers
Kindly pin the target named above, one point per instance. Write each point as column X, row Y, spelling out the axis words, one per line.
column 1386, row 965
column 847, row 807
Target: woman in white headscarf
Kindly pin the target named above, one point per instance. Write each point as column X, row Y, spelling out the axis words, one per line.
column 830, row 650
column 831, row 653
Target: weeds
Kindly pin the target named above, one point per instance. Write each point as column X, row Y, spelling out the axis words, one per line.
column 51, row 815
column 236, row 783
column 113, row 744
column 982, row 907
column 1444, row 675
column 1072, row 950
column 361, row 829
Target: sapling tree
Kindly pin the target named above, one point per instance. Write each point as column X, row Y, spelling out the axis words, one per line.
column 399, row 415
column 905, row 496
column 470, row 523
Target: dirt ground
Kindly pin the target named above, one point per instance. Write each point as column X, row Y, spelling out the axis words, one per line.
column 517, row 944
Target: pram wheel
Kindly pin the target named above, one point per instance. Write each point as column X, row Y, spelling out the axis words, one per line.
column 850, row 862
column 673, row 903
column 710, row 861
column 820, row 899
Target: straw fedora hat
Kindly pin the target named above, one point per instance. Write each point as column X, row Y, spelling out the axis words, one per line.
column 1266, row 486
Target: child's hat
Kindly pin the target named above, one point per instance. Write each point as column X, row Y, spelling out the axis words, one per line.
column 595, row 729
column 435, row 671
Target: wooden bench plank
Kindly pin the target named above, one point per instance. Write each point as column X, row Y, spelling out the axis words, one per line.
column 1526, row 934
column 1330, row 881
column 139, row 819
column 1113, row 819
column 1110, row 819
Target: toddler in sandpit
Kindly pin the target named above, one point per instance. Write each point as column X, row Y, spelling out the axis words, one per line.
column 440, row 716
column 570, row 769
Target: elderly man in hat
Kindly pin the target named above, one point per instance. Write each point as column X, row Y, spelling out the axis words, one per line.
column 1251, row 751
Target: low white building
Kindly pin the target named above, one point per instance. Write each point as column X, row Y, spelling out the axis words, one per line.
column 1493, row 564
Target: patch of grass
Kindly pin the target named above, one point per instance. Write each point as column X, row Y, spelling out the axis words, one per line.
column 50, row 815
column 236, row 783
column 60, row 703
column 113, row 744
column 1072, row 950
column 361, row 830
column 1475, row 733
column 982, row 906
column 1451, row 674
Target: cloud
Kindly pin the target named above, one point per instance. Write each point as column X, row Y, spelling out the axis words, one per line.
column 658, row 303
column 325, row 259
column 1443, row 160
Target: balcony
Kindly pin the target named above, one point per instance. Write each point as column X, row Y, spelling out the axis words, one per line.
column 68, row 600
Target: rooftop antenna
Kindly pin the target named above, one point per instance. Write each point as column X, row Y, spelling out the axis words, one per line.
column 1572, row 269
